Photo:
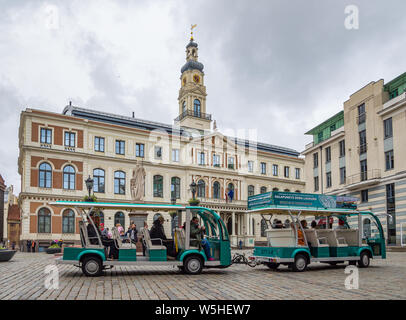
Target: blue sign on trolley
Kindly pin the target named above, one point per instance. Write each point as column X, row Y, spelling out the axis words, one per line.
column 296, row 199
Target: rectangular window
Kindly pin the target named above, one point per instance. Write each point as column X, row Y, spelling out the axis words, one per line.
column 46, row 136
column 328, row 179
column 343, row 174
column 364, row 195
column 275, row 170
column 120, row 147
column 230, row 163
column 320, row 136
column 332, row 127
column 139, row 150
column 297, row 173
column 202, row 161
column 315, row 160
column 389, row 161
column 328, row 154
column 364, row 170
column 361, row 114
column 342, row 148
column 286, row 171
column 387, row 127
column 99, row 144
column 250, row 166
column 158, row 152
column 316, row 183
column 175, row 155
column 263, row 167
column 393, row 94
column 216, row 160
column 70, row 139
column 362, row 141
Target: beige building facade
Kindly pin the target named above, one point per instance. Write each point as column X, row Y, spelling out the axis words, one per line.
column 360, row 152
column 59, row 151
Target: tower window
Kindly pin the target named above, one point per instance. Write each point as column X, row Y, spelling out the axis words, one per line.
column 184, row 107
column 196, row 108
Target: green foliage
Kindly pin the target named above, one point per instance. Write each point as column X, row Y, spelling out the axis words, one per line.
column 92, row 198
column 54, row 246
column 194, row 202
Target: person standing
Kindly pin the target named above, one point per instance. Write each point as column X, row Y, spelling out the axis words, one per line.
column 29, row 245
column 33, row 246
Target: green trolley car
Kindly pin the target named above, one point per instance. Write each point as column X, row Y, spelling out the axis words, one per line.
column 297, row 246
column 92, row 258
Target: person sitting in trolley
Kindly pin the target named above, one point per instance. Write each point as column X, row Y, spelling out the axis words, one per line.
column 196, row 236
column 93, row 232
column 157, row 232
column 300, row 237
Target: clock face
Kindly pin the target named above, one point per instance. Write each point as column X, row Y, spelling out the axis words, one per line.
column 196, row 78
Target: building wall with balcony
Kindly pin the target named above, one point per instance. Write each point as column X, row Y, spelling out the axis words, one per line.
column 371, row 187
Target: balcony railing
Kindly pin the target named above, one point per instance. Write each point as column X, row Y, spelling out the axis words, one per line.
column 364, row 176
column 200, row 115
column 361, row 118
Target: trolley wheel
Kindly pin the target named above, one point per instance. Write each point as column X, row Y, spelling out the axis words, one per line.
column 193, row 265
column 92, row 266
column 300, row 263
column 364, row 260
column 273, row 265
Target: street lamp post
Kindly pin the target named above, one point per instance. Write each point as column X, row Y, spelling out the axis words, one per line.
column 89, row 185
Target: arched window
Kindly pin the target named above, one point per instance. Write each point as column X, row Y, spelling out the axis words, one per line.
column 231, row 187
column 298, row 191
column 216, row 190
column 119, row 218
column 201, row 189
column 68, row 221
column 158, row 186
column 119, row 182
column 251, row 190
column 184, row 107
column 69, row 178
column 175, row 188
column 98, row 177
column 286, row 190
column 196, row 107
column 263, row 227
column 275, row 189
column 45, row 175
column 44, row 221
column 263, row 190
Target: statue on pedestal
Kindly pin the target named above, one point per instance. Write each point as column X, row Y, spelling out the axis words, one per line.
column 137, row 183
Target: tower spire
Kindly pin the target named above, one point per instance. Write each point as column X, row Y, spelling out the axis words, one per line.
column 191, row 31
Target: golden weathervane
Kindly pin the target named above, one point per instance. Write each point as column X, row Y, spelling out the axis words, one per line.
column 191, row 31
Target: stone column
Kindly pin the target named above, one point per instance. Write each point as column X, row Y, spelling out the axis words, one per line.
column 233, row 224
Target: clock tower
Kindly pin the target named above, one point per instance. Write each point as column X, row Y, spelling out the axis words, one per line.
column 192, row 93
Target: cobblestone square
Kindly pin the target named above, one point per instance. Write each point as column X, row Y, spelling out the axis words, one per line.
column 24, row 278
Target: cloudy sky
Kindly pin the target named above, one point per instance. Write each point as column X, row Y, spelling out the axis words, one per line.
column 277, row 66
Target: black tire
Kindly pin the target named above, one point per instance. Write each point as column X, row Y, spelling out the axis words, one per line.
column 92, row 266
column 300, row 263
column 273, row 265
column 364, row 260
column 193, row 265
